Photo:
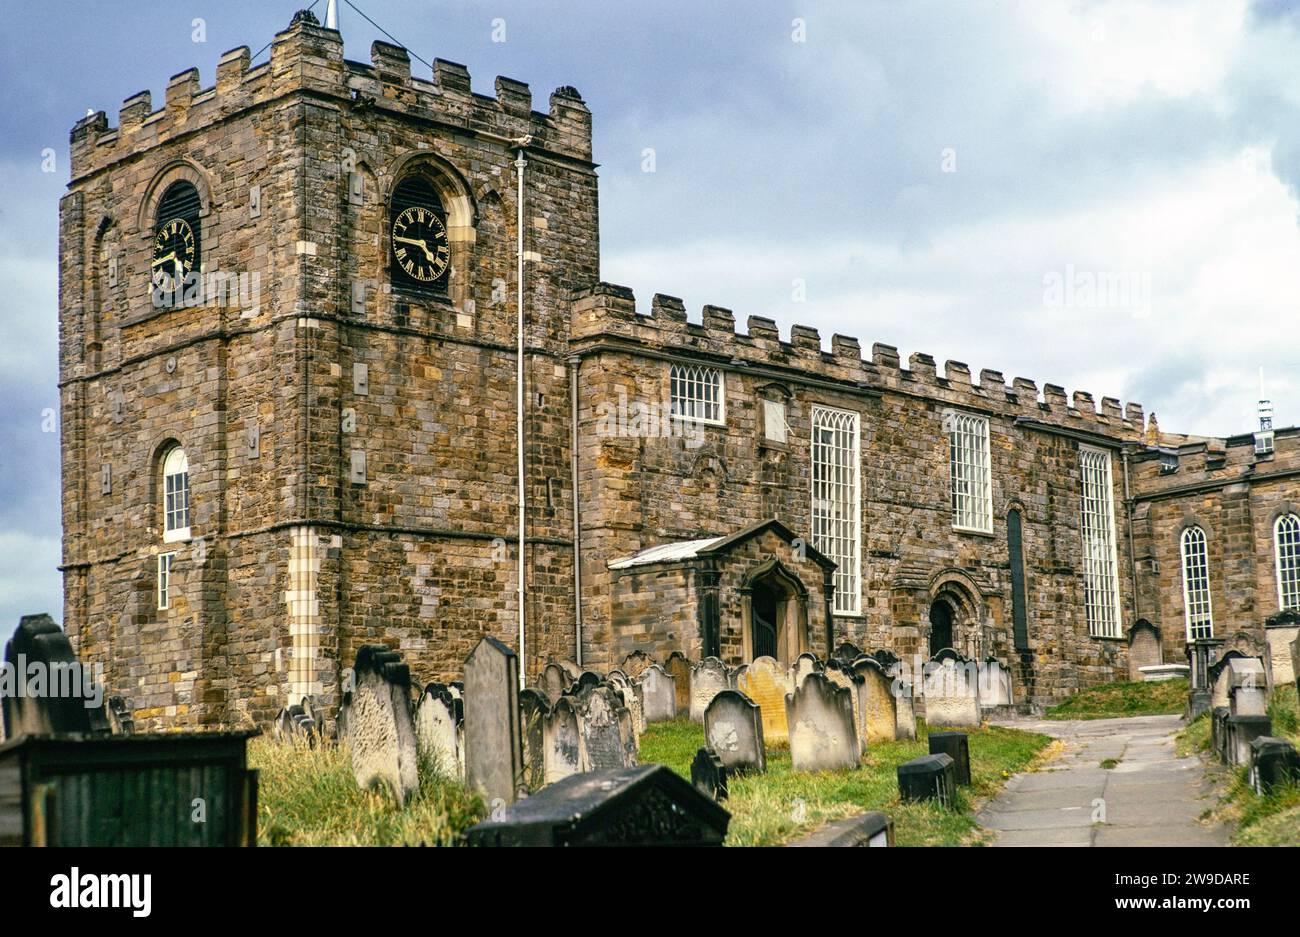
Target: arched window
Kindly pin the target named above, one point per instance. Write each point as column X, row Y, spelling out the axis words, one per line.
column 176, row 495
column 1196, row 585
column 419, row 249
column 1286, row 543
column 178, row 235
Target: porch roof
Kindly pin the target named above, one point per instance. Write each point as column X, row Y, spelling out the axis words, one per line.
column 682, row 550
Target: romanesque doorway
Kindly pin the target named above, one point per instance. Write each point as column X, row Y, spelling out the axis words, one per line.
column 775, row 614
column 941, row 616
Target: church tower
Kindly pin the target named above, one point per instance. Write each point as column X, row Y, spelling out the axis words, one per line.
column 288, row 308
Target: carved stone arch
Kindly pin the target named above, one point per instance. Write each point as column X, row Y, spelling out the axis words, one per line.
column 773, row 599
column 1189, row 520
column 774, row 390
column 708, row 462
column 965, row 597
column 1281, row 510
column 158, row 455
column 180, row 169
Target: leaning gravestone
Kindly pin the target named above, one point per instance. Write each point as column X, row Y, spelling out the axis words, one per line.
column 631, row 699
column 733, row 729
column 951, row 690
column 493, row 748
column 822, row 734
column 658, row 694
column 561, row 741
column 766, row 683
column 708, row 679
column 709, row 774
column 605, row 726
column 553, row 681
column 679, row 668
column 533, row 709
column 380, row 733
column 635, row 664
column 879, row 709
column 52, row 698
column 435, row 729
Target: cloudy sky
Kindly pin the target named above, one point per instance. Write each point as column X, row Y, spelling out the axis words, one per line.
column 922, row 174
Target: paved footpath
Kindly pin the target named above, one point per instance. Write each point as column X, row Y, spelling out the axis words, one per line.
column 1151, row 797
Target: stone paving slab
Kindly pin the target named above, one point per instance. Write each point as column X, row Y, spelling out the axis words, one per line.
column 1151, row 797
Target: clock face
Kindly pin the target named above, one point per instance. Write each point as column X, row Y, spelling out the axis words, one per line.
column 174, row 250
column 420, row 244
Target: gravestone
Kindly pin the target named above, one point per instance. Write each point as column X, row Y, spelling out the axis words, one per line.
column 930, row 777
column 847, row 652
column 636, row 663
column 1242, row 731
column 842, row 675
column 1280, row 632
column 804, row 664
column 553, row 681
column 766, row 684
column 733, row 729
column 605, row 726
column 436, row 716
column 951, row 690
column 1218, row 676
column 658, row 694
column 587, row 678
column 1219, row 732
column 1143, row 648
column 650, row 805
column 822, row 733
column 879, row 709
column 735, row 673
column 957, row 747
column 888, row 660
column 561, row 741
column 1247, row 687
column 533, row 710
column 1273, row 763
column 708, row 678
column 709, row 774
column 51, row 698
column 493, row 749
column 994, row 684
column 904, row 710
column 296, row 726
column 679, row 668
column 631, row 699
column 380, row 731
column 570, row 668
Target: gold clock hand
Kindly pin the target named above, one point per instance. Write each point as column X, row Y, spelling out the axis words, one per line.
column 423, row 246
column 164, row 259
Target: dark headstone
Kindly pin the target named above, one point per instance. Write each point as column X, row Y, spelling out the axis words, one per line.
column 605, row 724
column 493, row 749
column 956, row 746
column 1273, row 762
column 1219, row 732
column 733, row 729
column 847, row 652
column 533, row 710
column 56, row 694
column 295, row 725
column 930, row 777
column 648, row 805
column 709, row 774
column 872, row 828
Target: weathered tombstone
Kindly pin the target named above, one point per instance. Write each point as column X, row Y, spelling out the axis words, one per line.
column 631, row 699
column 1273, row 763
column 951, row 690
column 734, row 675
column 904, row 710
column 605, row 726
column 533, row 709
column 803, row 665
column 957, row 747
column 122, row 719
column 1242, row 731
column 994, row 684
column 1219, row 679
column 1143, row 648
column 1219, row 732
column 822, row 733
column 650, row 805
column 561, row 741
column 381, row 734
column 888, row 660
column 51, row 691
column 708, row 678
column 1247, row 689
column 847, row 652
column 572, row 669
column 733, row 729
column 930, row 777
column 842, row 675
column 553, row 681
column 588, row 678
column 765, row 682
column 635, row 664
column 493, row 748
column 1280, row 632
column 296, row 726
column 709, row 774
column 436, row 715
column 878, row 708
column 658, row 694
column 679, row 668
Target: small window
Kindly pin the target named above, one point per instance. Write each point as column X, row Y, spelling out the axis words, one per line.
column 165, row 561
column 1196, row 585
column 176, row 495
column 774, row 427
column 1286, row 541
column 696, row 393
column 968, row 459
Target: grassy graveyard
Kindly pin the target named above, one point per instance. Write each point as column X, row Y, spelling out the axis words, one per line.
column 783, row 805
column 309, row 797
column 1114, row 700
column 1259, row 821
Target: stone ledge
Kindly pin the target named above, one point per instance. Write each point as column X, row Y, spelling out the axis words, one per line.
column 858, row 830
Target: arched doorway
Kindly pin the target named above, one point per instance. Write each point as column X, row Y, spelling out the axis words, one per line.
column 941, row 616
column 775, row 613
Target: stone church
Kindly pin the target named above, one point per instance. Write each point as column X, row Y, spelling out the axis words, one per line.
column 288, row 345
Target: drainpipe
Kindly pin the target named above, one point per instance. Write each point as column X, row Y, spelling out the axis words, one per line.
column 520, row 165
column 575, row 363
column 1132, row 553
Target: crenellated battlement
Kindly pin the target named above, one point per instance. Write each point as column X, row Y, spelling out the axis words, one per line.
column 608, row 312
column 309, row 58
